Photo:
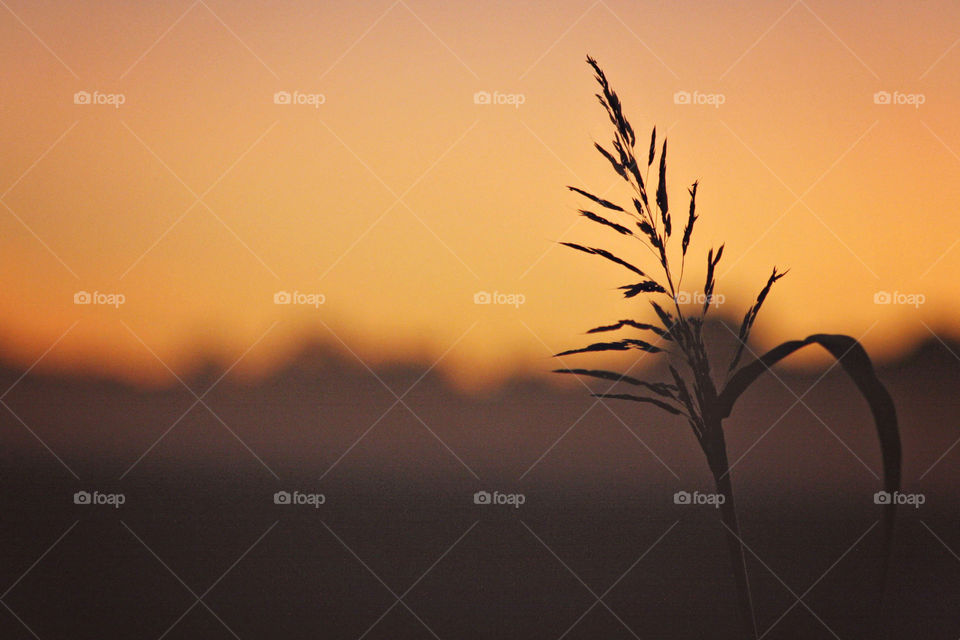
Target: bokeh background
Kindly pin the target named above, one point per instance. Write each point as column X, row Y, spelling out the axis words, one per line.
column 151, row 157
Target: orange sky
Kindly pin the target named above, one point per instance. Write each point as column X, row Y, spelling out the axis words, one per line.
column 398, row 198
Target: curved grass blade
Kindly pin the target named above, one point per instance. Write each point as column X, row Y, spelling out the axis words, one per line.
column 636, row 325
column 613, row 161
column 603, row 375
column 599, row 346
column 712, row 262
column 665, row 318
column 660, row 388
column 648, row 231
column 601, row 220
column 662, row 191
column 653, row 146
column 647, row 286
column 604, row 254
column 855, row 361
column 622, row 345
column 751, row 316
column 692, row 218
column 600, row 201
column 626, row 396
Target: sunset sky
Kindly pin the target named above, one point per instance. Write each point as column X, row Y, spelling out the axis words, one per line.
column 393, row 197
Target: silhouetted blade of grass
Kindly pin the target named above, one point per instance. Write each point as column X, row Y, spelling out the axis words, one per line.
column 631, row 323
column 627, row 396
column 751, row 316
column 856, row 362
column 604, row 375
column 662, row 191
column 653, row 146
column 647, row 286
column 613, row 225
column 692, row 218
column 712, row 262
column 660, row 388
column 665, row 318
column 605, row 254
column 599, row 201
column 613, row 161
column 622, row 345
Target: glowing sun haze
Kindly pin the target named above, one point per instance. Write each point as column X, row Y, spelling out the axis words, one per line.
column 399, row 197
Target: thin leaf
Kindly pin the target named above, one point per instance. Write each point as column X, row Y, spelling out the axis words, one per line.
column 635, row 171
column 653, row 146
column 683, row 395
column 647, row 286
column 660, row 388
column 645, row 227
column 855, row 361
column 665, row 318
column 657, row 244
column 613, row 161
column 603, row 375
column 612, row 258
column 662, row 191
column 692, row 217
column 672, row 326
column 626, row 396
column 599, row 201
column 643, row 345
column 751, row 317
column 607, row 223
column 622, row 345
column 599, row 346
column 712, row 262
column 604, row 254
column 636, row 325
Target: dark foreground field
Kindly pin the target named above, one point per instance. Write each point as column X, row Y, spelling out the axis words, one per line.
column 598, row 549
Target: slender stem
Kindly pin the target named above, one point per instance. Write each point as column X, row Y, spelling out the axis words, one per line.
column 719, row 465
column 683, row 265
column 673, row 291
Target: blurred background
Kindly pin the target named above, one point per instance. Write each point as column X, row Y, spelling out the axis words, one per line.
column 252, row 247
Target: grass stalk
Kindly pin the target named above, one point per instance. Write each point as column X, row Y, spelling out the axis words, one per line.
column 694, row 394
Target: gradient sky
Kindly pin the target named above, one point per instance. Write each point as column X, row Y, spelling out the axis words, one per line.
column 399, row 198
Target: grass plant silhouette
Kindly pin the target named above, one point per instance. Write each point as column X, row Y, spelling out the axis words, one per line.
column 693, row 392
